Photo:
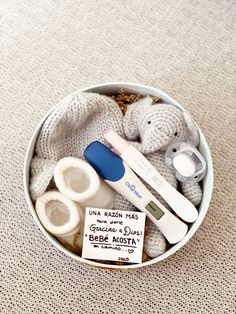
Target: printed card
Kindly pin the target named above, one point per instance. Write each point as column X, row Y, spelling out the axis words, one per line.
column 113, row 235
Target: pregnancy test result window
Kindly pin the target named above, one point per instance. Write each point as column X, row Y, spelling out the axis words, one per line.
column 154, row 210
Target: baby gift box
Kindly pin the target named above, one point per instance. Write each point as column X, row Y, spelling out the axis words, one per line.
column 207, row 183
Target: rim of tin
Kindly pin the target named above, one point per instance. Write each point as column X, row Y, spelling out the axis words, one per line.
column 207, row 184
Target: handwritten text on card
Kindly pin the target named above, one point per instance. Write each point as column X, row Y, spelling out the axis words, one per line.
column 113, row 235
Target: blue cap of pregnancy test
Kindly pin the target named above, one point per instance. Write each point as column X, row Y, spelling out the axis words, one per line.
column 107, row 164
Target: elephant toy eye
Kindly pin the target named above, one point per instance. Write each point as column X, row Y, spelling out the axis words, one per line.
column 176, row 133
column 149, row 122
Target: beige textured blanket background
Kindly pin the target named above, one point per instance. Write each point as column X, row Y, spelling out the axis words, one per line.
column 49, row 49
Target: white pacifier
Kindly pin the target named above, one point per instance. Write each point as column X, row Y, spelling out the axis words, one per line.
column 186, row 162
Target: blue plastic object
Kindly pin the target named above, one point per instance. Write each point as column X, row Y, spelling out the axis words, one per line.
column 107, row 164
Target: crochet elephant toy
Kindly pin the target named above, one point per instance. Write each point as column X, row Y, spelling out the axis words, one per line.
column 152, row 128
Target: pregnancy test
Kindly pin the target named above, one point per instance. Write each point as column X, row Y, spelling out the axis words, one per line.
column 143, row 168
column 121, row 178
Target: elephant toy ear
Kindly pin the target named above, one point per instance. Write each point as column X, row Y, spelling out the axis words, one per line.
column 132, row 115
column 192, row 129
